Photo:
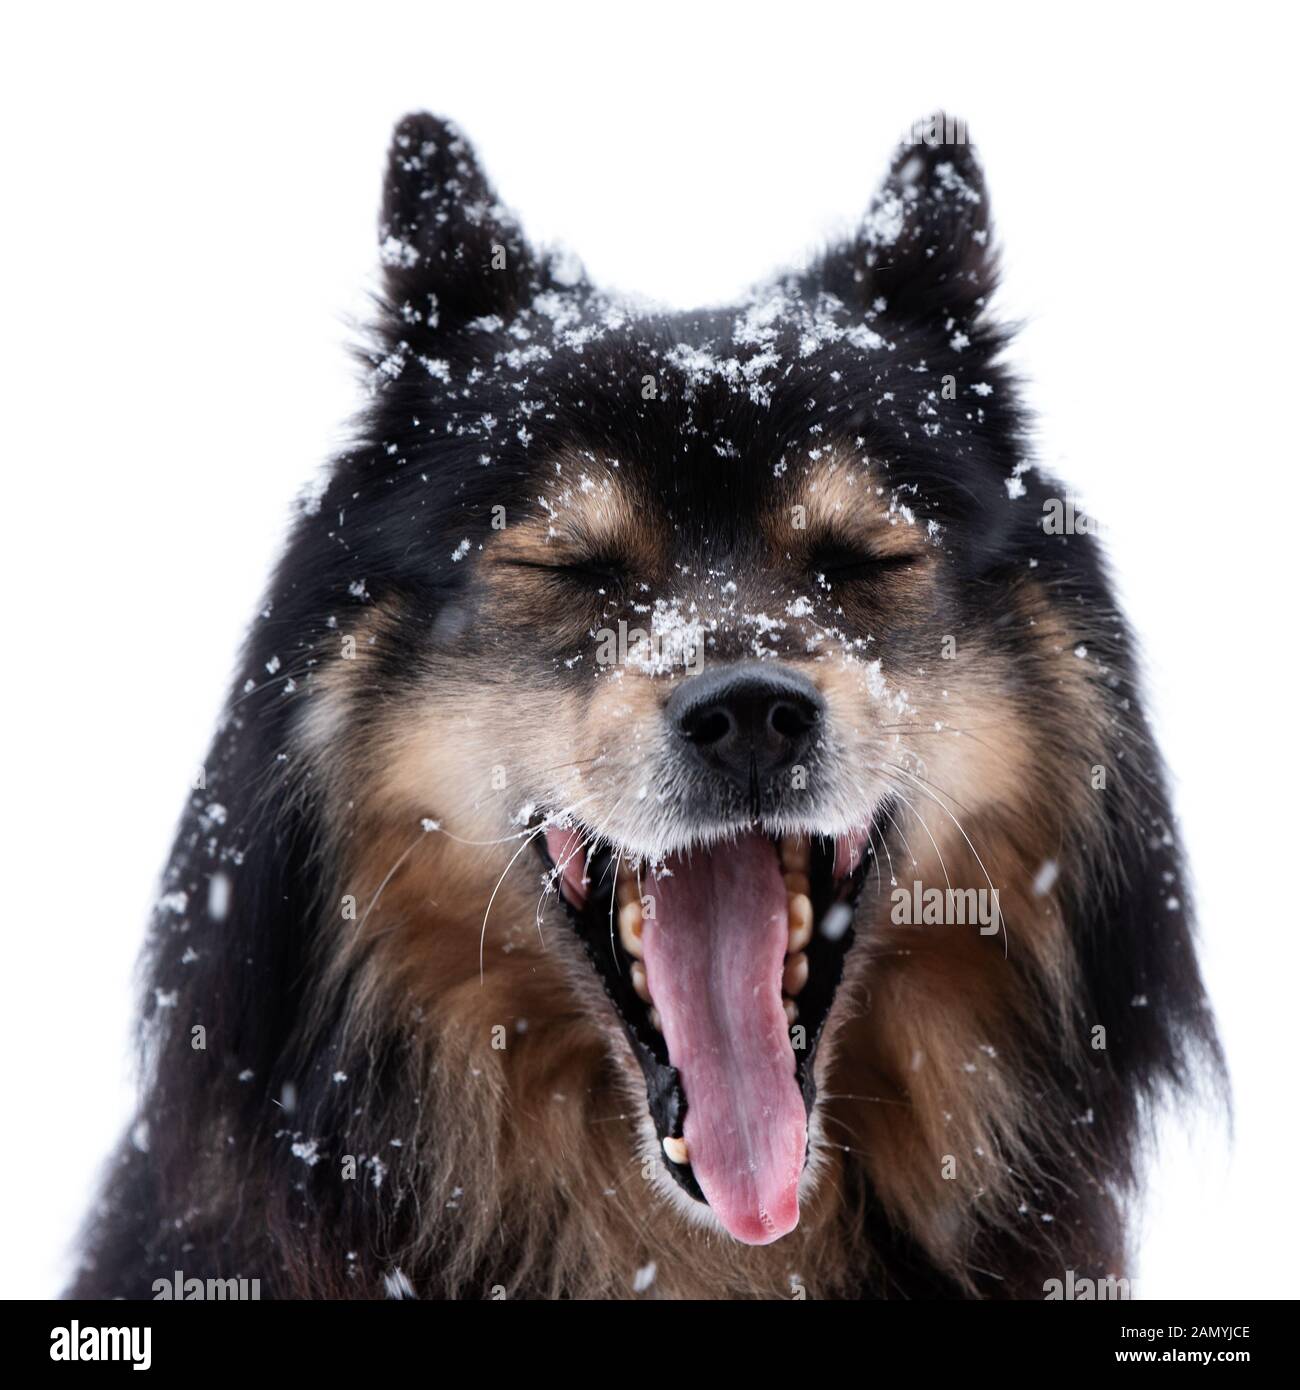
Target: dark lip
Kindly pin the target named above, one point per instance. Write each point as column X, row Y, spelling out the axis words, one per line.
column 594, row 926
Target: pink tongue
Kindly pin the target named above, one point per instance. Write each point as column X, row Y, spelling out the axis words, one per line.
column 714, row 954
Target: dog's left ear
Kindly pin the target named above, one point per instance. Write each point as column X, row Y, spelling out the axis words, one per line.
column 450, row 251
column 924, row 247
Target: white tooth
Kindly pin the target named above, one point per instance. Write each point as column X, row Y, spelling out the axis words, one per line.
column 656, row 1022
column 796, row 974
column 799, row 910
column 676, row 1150
column 626, row 890
column 639, row 981
column 629, row 929
column 798, row 883
column 796, row 853
column 791, row 1011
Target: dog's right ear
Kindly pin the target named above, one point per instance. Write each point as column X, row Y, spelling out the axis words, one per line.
column 450, row 251
column 924, row 251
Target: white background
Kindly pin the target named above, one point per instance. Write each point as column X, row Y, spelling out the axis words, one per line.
column 190, row 202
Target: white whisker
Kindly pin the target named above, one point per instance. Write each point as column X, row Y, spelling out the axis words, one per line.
column 1006, row 944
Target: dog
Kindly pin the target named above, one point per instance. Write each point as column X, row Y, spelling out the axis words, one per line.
column 685, row 823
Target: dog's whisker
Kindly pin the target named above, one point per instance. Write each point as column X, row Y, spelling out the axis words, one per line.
column 876, row 830
column 433, row 828
column 926, row 828
column 482, row 940
column 1006, row 947
column 873, row 1100
column 902, row 835
column 387, row 878
column 936, row 787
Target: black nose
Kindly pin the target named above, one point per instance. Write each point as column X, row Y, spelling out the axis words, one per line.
column 748, row 722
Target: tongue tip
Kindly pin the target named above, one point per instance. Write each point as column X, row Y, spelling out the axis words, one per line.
column 763, row 1226
column 761, row 1208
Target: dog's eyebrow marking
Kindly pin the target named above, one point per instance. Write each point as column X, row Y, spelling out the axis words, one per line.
column 589, row 511
column 582, row 505
column 849, row 501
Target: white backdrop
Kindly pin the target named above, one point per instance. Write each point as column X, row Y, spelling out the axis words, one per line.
column 192, row 195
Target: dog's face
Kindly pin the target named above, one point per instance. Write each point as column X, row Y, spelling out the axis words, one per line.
column 708, row 622
column 713, row 685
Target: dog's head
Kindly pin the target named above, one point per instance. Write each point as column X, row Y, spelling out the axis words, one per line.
column 721, row 616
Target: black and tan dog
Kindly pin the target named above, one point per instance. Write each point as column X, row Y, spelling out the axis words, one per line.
column 685, row 823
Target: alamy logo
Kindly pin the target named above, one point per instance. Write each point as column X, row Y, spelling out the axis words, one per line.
column 672, row 642
column 946, row 907
column 937, row 130
column 180, row 1289
column 1064, row 517
column 77, row 1343
column 1109, row 1288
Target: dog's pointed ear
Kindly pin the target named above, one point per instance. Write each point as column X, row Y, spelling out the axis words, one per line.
column 450, row 251
column 925, row 245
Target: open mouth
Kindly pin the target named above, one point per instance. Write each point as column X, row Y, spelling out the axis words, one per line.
column 722, row 964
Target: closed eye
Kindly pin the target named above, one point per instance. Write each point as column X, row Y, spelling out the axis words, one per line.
column 847, row 563
column 600, row 574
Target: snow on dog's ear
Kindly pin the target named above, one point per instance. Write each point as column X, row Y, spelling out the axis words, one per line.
column 450, row 251
column 925, row 245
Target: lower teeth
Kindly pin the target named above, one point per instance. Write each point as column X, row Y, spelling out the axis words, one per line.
column 796, row 974
column 676, row 1150
column 629, row 929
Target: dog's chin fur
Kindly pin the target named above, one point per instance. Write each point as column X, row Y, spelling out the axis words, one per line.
column 406, row 1075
